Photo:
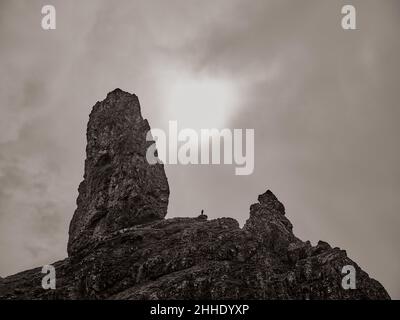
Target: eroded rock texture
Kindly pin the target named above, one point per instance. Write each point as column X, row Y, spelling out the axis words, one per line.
column 120, row 189
column 121, row 247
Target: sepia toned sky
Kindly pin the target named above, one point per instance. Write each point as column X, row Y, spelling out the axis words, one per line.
column 324, row 104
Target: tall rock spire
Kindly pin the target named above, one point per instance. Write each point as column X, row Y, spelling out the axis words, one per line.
column 120, row 189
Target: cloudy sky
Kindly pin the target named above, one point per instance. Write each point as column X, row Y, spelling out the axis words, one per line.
column 324, row 103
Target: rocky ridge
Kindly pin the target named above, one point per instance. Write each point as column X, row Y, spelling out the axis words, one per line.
column 122, row 247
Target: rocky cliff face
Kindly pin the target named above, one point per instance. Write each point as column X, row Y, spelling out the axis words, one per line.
column 120, row 188
column 121, row 247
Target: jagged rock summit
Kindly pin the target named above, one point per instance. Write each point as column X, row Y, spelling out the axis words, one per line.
column 121, row 247
column 120, row 188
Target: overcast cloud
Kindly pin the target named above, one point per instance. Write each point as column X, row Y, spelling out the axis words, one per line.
column 324, row 104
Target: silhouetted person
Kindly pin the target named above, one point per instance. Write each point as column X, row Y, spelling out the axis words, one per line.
column 202, row 216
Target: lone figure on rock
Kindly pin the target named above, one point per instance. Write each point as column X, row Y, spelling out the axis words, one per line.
column 202, row 216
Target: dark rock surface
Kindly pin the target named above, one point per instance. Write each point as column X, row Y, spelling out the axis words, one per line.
column 121, row 247
column 120, row 189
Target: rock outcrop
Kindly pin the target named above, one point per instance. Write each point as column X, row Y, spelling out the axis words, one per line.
column 121, row 247
column 120, row 188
